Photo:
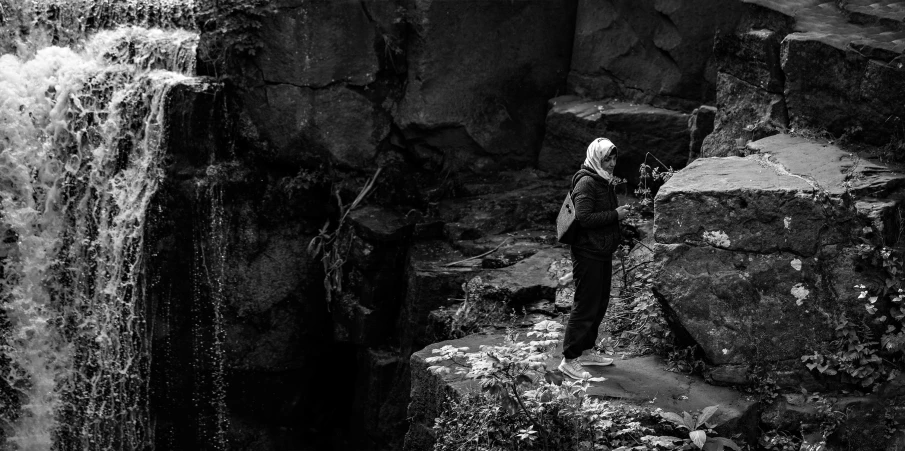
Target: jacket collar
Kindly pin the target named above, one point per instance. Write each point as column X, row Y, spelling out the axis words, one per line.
column 590, row 172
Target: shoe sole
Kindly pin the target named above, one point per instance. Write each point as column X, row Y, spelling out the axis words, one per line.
column 595, row 364
column 568, row 373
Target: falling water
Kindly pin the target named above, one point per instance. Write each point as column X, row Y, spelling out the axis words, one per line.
column 209, row 266
column 81, row 140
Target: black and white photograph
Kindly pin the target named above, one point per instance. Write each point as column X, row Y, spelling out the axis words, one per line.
column 452, row 225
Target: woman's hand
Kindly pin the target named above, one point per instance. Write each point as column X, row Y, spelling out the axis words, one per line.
column 622, row 211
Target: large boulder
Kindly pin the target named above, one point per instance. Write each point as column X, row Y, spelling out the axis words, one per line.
column 652, row 51
column 481, row 72
column 745, row 204
column 755, row 254
column 789, row 196
column 745, row 308
column 573, row 123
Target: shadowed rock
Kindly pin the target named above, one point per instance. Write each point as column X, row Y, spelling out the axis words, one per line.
column 745, row 308
column 485, row 69
column 648, row 51
column 573, row 123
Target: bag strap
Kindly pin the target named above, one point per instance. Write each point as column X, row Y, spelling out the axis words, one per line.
column 575, row 181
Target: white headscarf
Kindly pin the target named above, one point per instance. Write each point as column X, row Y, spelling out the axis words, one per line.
column 599, row 149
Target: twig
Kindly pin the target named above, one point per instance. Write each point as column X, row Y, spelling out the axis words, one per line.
column 479, row 256
column 531, row 418
column 641, row 243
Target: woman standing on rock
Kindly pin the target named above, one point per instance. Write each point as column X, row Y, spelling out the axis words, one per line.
column 598, row 216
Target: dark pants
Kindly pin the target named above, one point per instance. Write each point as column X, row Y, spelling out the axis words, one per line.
column 592, row 296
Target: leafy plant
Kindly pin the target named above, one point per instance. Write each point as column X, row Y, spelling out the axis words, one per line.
column 855, row 353
column 698, row 429
column 651, row 179
column 853, row 356
column 332, row 244
column 231, row 29
column 504, row 371
column 635, row 317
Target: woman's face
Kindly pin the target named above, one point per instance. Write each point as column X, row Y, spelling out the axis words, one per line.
column 609, row 162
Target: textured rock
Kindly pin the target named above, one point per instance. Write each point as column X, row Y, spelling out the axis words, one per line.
column 752, row 56
column 652, row 51
column 531, row 279
column 838, row 90
column 745, row 113
column 890, row 15
column 700, row 124
column 336, row 120
column 643, row 381
column 744, row 308
column 883, row 216
column 573, row 123
column 767, row 261
column 485, row 69
column 831, row 169
column 317, row 43
column 745, row 204
column 430, row 285
column 813, row 65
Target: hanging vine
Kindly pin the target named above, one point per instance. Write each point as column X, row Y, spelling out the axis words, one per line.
column 332, row 244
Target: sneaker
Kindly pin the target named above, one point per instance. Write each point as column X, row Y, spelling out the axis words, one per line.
column 595, row 359
column 573, row 369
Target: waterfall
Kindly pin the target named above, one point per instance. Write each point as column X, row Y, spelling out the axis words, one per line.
column 82, row 136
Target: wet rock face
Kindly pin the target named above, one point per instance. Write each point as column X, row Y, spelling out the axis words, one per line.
column 652, row 51
column 756, row 254
column 486, row 69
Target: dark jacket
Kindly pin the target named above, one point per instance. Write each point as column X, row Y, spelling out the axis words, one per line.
column 595, row 209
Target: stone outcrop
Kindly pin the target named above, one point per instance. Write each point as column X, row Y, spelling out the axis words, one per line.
column 573, row 123
column 640, row 380
column 823, row 66
column 650, row 51
column 756, row 254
